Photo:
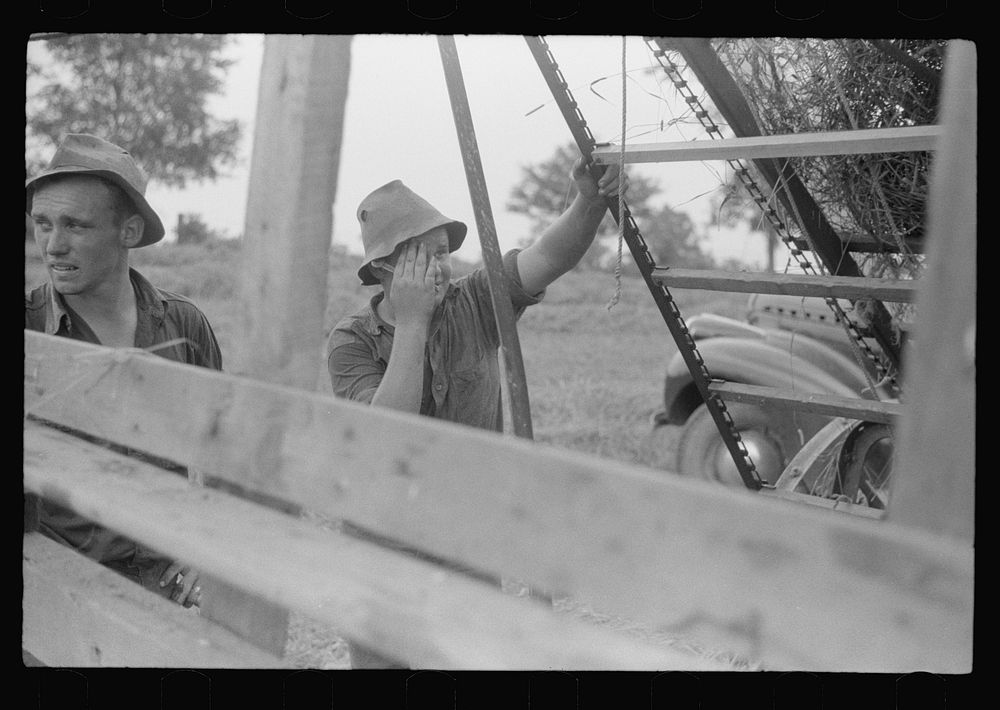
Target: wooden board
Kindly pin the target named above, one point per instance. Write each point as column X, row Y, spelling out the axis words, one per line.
column 867, row 140
column 289, row 216
column 684, row 556
column 813, row 403
column 823, row 286
column 829, row 503
column 937, row 441
column 405, row 608
column 79, row 613
column 286, row 241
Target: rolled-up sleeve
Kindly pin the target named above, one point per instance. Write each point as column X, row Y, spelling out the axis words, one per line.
column 354, row 373
column 207, row 352
column 519, row 298
column 479, row 290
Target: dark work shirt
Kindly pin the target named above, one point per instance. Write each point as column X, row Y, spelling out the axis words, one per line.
column 161, row 318
column 461, row 369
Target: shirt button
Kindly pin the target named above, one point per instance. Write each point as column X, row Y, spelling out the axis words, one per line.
column 438, row 386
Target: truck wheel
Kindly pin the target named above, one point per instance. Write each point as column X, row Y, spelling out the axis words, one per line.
column 771, row 437
column 846, row 458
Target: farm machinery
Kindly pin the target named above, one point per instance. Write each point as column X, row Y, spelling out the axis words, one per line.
column 801, row 399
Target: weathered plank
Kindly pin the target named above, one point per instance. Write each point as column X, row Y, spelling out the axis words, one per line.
column 823, row 286
column 829, row 503
column 289, row 217
column 79, row 613
column 937, row 440
column 866, row 140
column 407, row 609
column 813, row 403
column 288, row 223
column 678, row 554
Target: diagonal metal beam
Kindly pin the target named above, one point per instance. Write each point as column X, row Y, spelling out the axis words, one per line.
column 645, row 263
column 510, row 346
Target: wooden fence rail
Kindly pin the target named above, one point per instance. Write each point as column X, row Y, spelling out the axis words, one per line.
column 411, row 608
column 764, row 577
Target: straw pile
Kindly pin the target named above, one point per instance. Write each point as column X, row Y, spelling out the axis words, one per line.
column 801, row 85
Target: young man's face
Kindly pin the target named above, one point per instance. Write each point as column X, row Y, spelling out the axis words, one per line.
column 78, row 234
column 438, row 249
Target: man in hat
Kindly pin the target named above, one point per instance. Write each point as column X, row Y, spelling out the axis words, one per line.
column 427, row 345
column 89, row 210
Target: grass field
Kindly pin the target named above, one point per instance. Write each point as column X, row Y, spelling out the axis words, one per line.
column 595, row 376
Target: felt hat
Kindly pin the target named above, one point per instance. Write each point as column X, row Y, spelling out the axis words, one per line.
column 394, row 213
column 83, row 154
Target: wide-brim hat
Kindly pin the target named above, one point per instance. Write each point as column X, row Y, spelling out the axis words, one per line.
column 394, row 213
column 83, row 154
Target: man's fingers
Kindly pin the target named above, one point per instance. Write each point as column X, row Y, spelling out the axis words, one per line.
column 185, row 592
column 169, row 575
column 612, row 183
column 401, row 262
column 420, row 267
column 581, row 169
column 413, row 261
column 433, row 269
column 189, row 596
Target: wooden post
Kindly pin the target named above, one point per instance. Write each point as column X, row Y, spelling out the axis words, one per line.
column 934, row 472
column 289, row 219
column 289, row 226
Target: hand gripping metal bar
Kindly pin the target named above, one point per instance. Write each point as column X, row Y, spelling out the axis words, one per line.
column 645, row 263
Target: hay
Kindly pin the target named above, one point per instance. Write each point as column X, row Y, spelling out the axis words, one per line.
column 805, row 85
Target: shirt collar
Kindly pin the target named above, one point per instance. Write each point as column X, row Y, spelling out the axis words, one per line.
column 374, row 323
column 59, row 312
column 147, row 298
column 148, row 301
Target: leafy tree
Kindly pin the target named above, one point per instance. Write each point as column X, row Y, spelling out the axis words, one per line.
column 673, row 241
column 191, row 229
column 147, row 93
column 546, row 190
column 732, row 206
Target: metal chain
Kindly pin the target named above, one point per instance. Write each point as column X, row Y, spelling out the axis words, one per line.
column 742, row 170
column 645, row 263
column 621, row 194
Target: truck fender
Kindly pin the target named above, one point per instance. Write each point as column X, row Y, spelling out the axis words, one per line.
column 820, row 355
column 751, row 362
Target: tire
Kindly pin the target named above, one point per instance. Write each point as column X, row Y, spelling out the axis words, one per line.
column 771, row 436
column 847, row 459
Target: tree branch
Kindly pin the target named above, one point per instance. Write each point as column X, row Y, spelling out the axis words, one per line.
column 890, row 50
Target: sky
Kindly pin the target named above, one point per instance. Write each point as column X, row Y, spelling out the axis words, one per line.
column 399, row 125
